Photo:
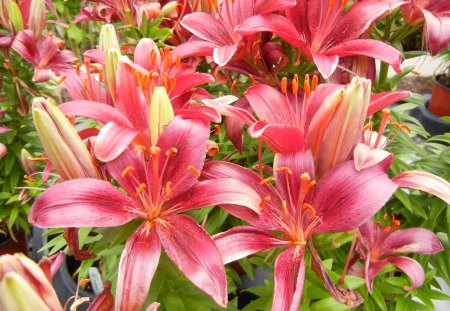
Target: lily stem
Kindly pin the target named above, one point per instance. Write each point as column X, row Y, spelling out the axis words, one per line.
column 347, row 262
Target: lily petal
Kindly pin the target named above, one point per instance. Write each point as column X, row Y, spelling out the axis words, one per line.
column 223, row 54
column 382, row 100
column 280, row 138
column 239, row 242
column 346, row 198
column 112, row 140
column 364, row 156
column 426, row 182
column 207, row 28
column 412, row 240
column 82, row 203
column 137, row 267
column 411, row 267
column 289, row 279
column 326, row 64
column 195, row 254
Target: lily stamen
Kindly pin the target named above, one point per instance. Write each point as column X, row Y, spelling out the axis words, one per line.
column 264, row 201
column 310, row 209
column 193, row 169
column 266, row 180
column 126, row 170
column 140, row 189
column 168, row 188
column 283, row 85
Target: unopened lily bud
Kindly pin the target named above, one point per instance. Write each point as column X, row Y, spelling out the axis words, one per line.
column 161, row 112
column 112, row 58
column 170, row 9
column 3, row 150
column 64, row 148
column 4, row 12
column 28, row 165
column 344, row 130
column 25, row 286
column 108, row 38
column 15, row 16
column 36, row 18
column 213, row 148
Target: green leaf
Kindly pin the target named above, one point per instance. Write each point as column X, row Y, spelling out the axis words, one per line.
column 378, row 298
column 328, row 304
column 173, row 302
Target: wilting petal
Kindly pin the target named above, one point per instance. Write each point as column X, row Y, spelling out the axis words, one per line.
column 426, row 182
column 270, row 105
column 239, row 242
column 190, row 138
column 113, row 140
column 326, row 64
column 195, row 254
column 224, row 53
column 289, row 279
column 216, row 192
column 346, row 198
column 411, row 267
column 412, row 240
column 104, row 301
column 368, row 47
column 137, row 267
column 81, row 203
column 100, row 112
column 280, row 138
column 207, row 28
column 384, row 99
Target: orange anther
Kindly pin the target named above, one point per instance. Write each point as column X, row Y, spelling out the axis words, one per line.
column 264, row 201
column 331, row 3
column 406, row 127
column 310, row 209
column 61, row 80
column 315, row 82
column 169, row 59
column 294, row 87
column 168, row 188
column 140, row 189
column 217, row 131
column 126, row 170
column 385, row 216
column 178, row 61
column 77, row 68
column 71, row 118
column 396, row 224
column 164, row 81
column 173, row 83
column 285, row 210
column 305, row 178
column 233, row 86
column 100, row 75
column 140, row 147
column 84, row 282
column 137, row 78
column 284, row 85
column 171, row 151
column 284, row 169
column 196, row 171
column 85, row 83
column 309, row 186
column 28, row 178
column 155, row 151
column 256, row 43
column 266, row 180
column 252, row 78
column 306, row 86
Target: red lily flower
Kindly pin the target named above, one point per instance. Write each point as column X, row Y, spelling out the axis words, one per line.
column 436, row 15
column 217, row 36
column 298, row 207
column 380, row 246
column 45, row 55
column 328, row 31
column 159, row 189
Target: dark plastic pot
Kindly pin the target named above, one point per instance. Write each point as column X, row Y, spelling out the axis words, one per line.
column 440, row 98
column 9, row 246
column 431, row 122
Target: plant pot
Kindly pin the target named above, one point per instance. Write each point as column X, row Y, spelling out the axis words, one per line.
column 440, row 98
column 9, row 246
column 430, row 122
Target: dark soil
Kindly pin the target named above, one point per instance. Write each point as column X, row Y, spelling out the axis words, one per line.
column 445, row 80
column 416, row 84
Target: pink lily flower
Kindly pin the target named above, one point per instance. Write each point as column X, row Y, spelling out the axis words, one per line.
column 130, row 118
column 380, row 246
column 315, row 120
column 45, row 55
column 217, row 37
column 329, row 32
column 298, row 207
column 159, row 189
column 436, row 15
